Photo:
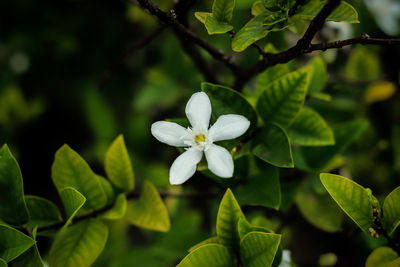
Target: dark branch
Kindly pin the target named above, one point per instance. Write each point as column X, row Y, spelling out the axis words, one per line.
column 380, row 231
column 294, row 8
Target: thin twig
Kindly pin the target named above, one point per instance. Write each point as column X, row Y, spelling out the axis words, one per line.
column 294, row 8
column 380, row 230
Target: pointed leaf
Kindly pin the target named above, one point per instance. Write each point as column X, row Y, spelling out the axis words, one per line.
column 211, row 240
column 42, row 212
column 381, row 257
column 272, row 145
column 149, row 210
column 222, row 10
column 227, row 220
column 258, row 249
column 351, row 197
column 210, row 255
column 73, row 201
column 344, row 12
column 3, row 263
column 201, row 16
column 283, row 99
column 244, row 227
column 118, row 165
column 391, row 211
column 319, row 75
column 79, row 245
column 71, row 170
column 118, row 210
column 215, row 26
column 107, row 187
column 30, row 258
column 13, row 243
column 363, row 65
column 11, row 190
column 310, row 129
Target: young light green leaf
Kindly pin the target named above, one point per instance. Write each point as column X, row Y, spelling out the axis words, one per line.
column 283, row 99
column 381, row 257
column 363, row 65
column 343, row 13
column 210, row 255
column 258, row 249
column 71, row 170
column 201, row 16
column 13, row 243
column 227, row 220
column 272, row 145
column 257, row 29
column 215, row 26
column 107, row 187
column 79, row 245
column 118, row 210
column 310, row 129
column 244, row 227
column 11, row 190
column 352, row 198
column 118, row 165
column 391, row 211
column 319, row 75
column 72, row 201
column 42, row 212
column 149, row 210
column 211, row 240
column 222, row 10
column 257, row 8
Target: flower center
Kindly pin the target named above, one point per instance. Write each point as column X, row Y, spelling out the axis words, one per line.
column 200, row 138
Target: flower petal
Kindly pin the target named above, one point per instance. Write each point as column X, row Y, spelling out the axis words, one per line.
column 219, row 161
column 184, row 166
column 228, row 127
column 198, row 110
column 169, row 133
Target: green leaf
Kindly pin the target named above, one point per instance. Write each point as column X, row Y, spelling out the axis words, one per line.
column 71, row 170
column 107, row 187
column 257, row 8
column 210, row 255
column 381, row 257
column 262, row 188
column 149, row 210
column 30, row 258
column 228, row 217
column 211, row 240
column 79, row 245
column 215, row 26
column 310, row 129
column 391, row 211
column 351, row 197
column 363, row 65
column 118, row 210
column 118, row 165
column 272, row 145
column 244, row 227
column 13, row 243
column 394, row 263
column 343, row 13
column 258, row 249
column 3, row 263
column 201, row 16
column 11, row 190
column 257, row 28
column 42, row 212
column 282, row 100
column 72, row 201
column 227, row 101
column 319, row 75
column 222, row 10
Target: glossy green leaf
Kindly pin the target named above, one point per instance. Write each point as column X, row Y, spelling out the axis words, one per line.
column 42, row 212
column 351, row 197
column 362, row 65
column 201, row 16
column 222, row 10
column 262, row 188
column 78, row 245
column 211, row 240
column 227, row 101
column 244, row 227
column 118, row 165
column 118, row 210
column 310, row 129
column 282, row 100
column 258, row 8
column 258, row 249
column 71, row 170
column 215, row 26
column 149, row 210
column 343, row 13
column 107, row 188
column 210, row 255
column 257, row 29
column 391, row 211
column 227, row 220
column 13, row 243
column 73, row 201
column 381, row 257
column 30, row 258
column 3, row 263
column 272, row 145
column 11, row 190
column 319, row 75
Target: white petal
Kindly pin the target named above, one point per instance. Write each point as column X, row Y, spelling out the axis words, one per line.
column 169, row 133
column 198, row 110
column 219, row 161
column 184, row 166
column 228, row 127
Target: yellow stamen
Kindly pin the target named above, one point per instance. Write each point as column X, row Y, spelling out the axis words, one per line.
column 200, row 138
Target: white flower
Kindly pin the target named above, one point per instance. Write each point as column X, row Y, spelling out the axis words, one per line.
column 200, row 138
